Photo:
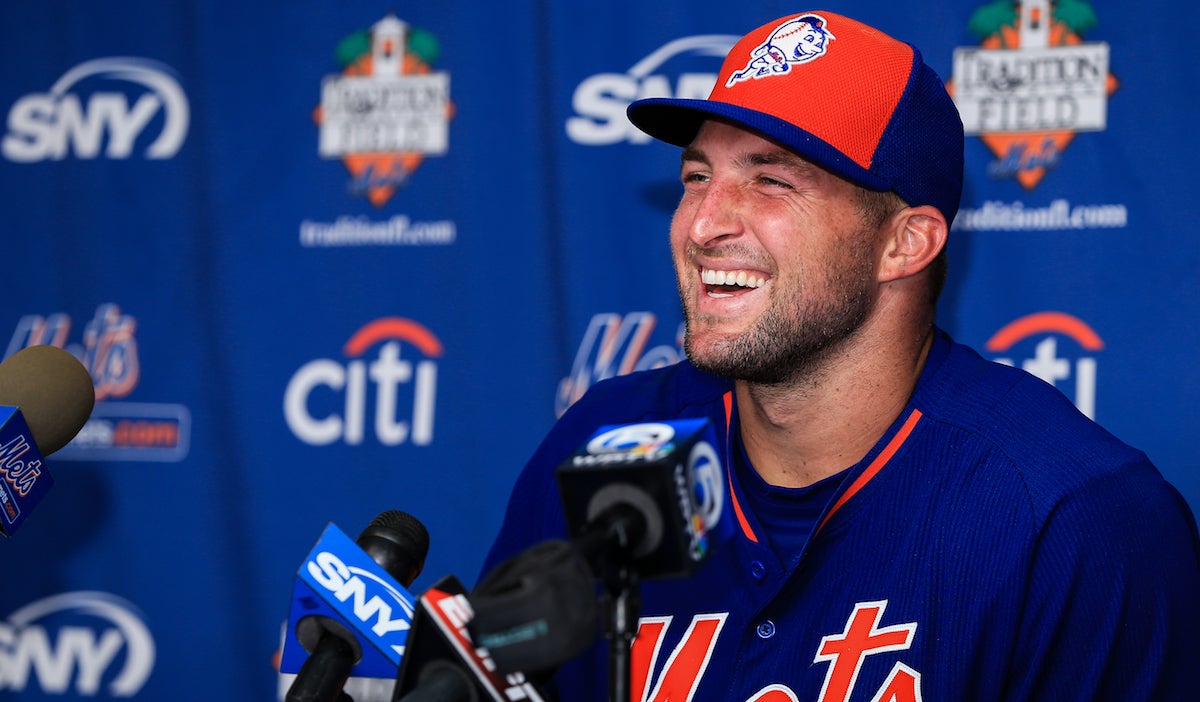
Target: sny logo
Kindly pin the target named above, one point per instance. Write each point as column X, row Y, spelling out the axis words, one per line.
column 51, row 125
column 94, row 639
column 600, row 100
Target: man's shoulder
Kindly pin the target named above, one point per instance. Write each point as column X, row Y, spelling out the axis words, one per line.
column 1026, row 427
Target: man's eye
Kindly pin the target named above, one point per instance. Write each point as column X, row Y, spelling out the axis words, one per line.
column 774, row 182
column 695, row 177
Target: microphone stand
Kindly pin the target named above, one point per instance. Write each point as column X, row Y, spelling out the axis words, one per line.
column 622, row 603
column 609, row 543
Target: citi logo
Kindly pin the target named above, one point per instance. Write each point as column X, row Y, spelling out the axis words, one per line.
column 600, row 100
column 86, row 643
column 328, row 400
column 1039, row 335
column 106, row 105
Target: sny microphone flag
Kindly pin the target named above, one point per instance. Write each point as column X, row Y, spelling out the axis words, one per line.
column 24, row 479
column 340, row 581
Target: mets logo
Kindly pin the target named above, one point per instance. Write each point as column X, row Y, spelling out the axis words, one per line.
column 387, row 110
column 796, row 41
column 1033, row 84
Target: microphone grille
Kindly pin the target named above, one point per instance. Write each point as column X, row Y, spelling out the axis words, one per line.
column 408, row 528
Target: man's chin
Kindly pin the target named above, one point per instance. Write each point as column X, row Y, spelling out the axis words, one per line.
column 715, row 354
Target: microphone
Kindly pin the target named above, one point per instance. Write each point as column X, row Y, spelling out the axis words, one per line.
column 536, row 610
column 444, row 664
column 649, row 496
column 350, row 609
column 641, row 501
column 46, row 396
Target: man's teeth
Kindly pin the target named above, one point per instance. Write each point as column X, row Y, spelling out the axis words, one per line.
column 739, row 278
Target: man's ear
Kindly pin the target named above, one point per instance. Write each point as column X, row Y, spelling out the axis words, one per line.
column 915, row 236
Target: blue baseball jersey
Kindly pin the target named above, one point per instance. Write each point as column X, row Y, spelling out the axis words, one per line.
column 995, row 544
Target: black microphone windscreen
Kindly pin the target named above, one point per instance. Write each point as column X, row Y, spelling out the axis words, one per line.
column 442, row 681
column 397, row 541
column 535, row 610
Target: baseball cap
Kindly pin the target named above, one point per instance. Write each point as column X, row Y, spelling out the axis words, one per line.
column 839, row 93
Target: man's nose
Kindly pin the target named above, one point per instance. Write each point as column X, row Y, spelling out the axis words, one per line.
column 718, row 215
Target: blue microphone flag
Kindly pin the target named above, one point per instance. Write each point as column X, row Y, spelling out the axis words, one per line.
column 340, row 582
column 24, row 478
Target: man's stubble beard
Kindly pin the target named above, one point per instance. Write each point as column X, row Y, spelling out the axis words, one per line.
column 791, row 339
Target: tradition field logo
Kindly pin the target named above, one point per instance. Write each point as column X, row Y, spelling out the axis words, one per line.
column 387, row 110
column 1033, row 85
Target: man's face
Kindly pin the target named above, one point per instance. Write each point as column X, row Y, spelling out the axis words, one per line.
column 811, row 41
column 774, row 264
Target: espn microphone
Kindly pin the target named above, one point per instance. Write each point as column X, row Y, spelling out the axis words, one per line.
column 350, row 610
column 46, row 396
column 443, row 663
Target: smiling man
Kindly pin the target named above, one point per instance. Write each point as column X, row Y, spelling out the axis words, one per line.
column 913, row 522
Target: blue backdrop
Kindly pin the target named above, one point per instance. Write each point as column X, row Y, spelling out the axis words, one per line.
column 326, row 259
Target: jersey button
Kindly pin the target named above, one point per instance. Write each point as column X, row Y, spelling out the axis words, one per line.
column 766, row 629
column 758, row 570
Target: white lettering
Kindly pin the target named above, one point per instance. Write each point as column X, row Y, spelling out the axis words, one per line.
column 377, row 114
column 313, row 374
column 458, row 611
column 385, row 375
column 329, row 570
column 599, row 103
column 365, row 609
column 360, row 231
column 30, row 655
column 388, row 372
column 1058, row 215
column 600, row 100
column 56, row 124
column 1032, row 89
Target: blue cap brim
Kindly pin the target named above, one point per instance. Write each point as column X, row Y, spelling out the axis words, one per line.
column 677, row 121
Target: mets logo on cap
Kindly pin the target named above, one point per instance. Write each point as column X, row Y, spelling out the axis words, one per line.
column 799, row 40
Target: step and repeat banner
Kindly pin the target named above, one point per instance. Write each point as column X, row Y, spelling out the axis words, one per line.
column 328, row 259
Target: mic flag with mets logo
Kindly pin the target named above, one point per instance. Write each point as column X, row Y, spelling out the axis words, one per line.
column 46, row 396
column 24, row 480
